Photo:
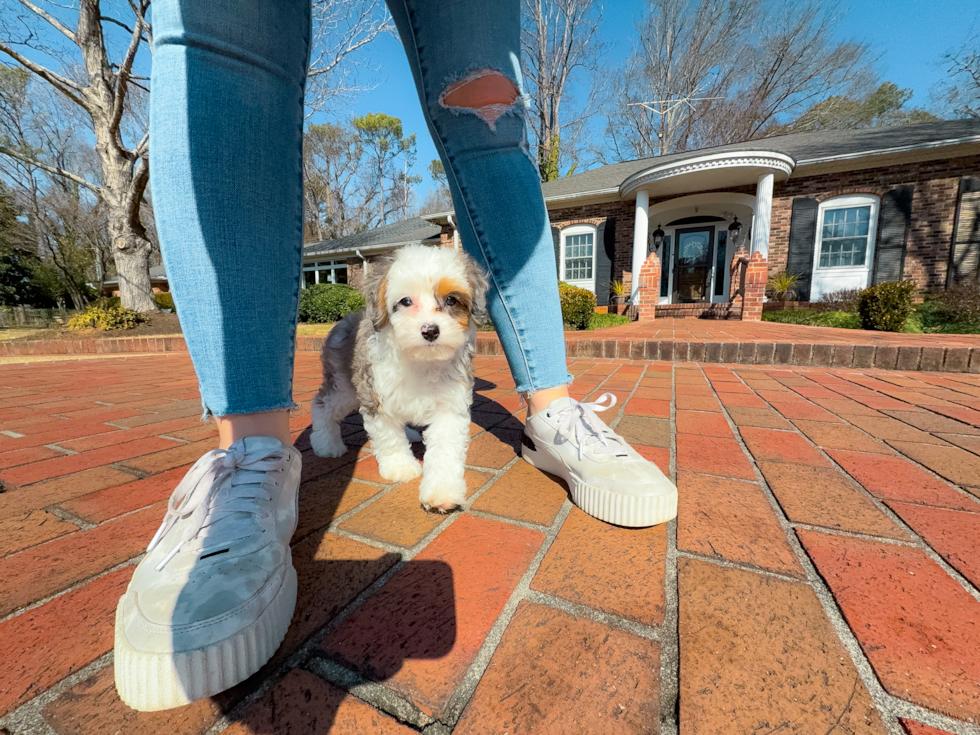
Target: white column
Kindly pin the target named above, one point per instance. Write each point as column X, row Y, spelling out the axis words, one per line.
column 640, row 227
column 763, row 215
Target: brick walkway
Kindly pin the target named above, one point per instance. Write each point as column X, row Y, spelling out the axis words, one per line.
column 822, row 575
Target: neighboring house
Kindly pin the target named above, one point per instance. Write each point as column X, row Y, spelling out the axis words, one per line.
column 158, row 280
column 842, row 208
column 342, row 260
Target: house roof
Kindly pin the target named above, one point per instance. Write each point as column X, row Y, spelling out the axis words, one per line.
column 406, row 232
column 804, row 148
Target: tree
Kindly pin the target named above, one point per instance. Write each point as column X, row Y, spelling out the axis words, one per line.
column 959, row 93
column 381, row 137
column 341, row 29
column 101, row 89
column 438, row 198
column 339, row 200
column 66, row 224
column 558, row 40
column 709, row 72
column 884, row 106
column 19, row 267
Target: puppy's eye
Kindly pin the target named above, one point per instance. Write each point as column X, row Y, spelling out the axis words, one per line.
column 451, row 301
column 405, row 302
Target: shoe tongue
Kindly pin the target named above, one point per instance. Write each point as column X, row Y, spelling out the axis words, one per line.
column 259, row 443
column 560, row 404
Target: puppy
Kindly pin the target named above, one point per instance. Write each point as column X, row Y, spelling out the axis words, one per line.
column 408, row 359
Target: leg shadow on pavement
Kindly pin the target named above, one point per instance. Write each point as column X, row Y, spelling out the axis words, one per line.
column 417, row 620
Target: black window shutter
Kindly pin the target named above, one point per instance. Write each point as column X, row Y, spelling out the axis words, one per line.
column 893, row 232
column 556, row 237
column 605, row 256
column 802, row 238
column 964, row 256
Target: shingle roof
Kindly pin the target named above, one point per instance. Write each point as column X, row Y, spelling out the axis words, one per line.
column 406, row 232
column 802, row 147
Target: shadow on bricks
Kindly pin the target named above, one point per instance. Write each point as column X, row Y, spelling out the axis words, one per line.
column 332, row 571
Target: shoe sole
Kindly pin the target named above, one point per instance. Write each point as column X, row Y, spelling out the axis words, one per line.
column 149, row 682
column 622, row 510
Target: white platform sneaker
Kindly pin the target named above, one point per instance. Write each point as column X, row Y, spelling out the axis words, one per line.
column 606, row 476
column 211, row 601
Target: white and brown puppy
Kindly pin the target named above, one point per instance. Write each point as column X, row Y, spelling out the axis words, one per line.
column 408, row 359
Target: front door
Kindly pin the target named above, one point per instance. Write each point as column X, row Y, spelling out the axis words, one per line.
column 692, row 265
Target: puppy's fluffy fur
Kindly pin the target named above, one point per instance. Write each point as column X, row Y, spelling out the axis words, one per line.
column 384, row 361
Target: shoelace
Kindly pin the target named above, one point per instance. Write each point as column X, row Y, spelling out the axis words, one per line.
column 208, row 495
column 582, row 427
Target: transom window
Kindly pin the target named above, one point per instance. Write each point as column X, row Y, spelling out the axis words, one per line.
column 579, row 256
column 324, row 271
column 844, row 236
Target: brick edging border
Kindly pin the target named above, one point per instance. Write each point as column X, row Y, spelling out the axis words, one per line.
column 800, row 354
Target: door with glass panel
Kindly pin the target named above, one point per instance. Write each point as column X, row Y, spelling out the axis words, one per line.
column 842, row 256
column 692, row 265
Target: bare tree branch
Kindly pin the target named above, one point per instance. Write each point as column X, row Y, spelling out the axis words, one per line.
column 63, row 85
column 50, row 19
column 50, row 169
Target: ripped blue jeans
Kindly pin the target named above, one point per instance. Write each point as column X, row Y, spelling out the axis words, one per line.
column 226, row 120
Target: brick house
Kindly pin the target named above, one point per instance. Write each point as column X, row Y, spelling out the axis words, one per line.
column 706, row 228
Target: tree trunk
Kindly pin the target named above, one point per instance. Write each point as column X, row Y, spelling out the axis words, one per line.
column 131, row 253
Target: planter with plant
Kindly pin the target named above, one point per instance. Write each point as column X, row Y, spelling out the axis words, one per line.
column 782, row 286
column 617, row 289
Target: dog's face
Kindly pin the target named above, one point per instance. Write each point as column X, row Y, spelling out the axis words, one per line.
column 432, row 298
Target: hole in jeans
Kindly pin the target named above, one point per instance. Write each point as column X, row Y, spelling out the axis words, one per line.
column 486, row 93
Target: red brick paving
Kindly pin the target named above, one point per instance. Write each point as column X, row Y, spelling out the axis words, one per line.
column 872, row 474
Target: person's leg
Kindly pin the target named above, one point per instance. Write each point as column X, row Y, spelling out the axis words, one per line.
column 213, row 597
column 226, row 125
column 465, row 57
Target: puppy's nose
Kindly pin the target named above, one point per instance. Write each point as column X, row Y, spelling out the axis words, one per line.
column 430, row 332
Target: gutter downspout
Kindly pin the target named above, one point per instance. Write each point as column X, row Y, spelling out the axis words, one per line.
column 455, row 232
column 363, row 260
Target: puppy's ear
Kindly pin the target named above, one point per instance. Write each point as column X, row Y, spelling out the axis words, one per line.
column 476, row 280
column 375, row 291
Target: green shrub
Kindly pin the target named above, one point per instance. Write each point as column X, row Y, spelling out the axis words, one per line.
column 106, row 317
column 601, row 321
column 844, row 299
column 165, row 301
column 886, row 306
column 577, row 306
column 328, row 302
column 961, row 303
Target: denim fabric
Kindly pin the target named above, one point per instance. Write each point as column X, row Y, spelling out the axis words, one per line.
column 226, row 119
column 495, row 186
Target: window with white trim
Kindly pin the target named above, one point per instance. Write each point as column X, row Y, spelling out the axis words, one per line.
column 845, row 232
column 578, row 255
column 325, row 271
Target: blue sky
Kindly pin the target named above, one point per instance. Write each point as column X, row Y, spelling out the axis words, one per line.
column 907, row 36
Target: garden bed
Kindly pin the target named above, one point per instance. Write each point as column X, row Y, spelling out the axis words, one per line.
column 927, row 318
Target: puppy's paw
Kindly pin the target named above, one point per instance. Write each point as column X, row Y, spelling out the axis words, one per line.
column 441, row 495
column 399, row 468
column 325, row 445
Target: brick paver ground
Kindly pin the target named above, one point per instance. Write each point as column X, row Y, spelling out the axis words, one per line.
column 821, row 576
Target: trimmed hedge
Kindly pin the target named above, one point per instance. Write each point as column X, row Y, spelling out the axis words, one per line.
column 328, row 302
column 886, row 306
column 577, row 306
